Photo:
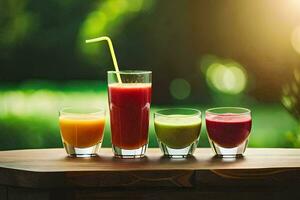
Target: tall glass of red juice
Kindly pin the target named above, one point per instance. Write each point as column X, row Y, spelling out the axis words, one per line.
column 228, row 130
column 129, row 104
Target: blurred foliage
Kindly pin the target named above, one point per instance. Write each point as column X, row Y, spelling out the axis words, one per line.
column 16, row 22
column 45, row 40
column 291, row 95
column 108, row 18
column 202, row 53
column 29, row 115
column 293, row 137
column 291, row 101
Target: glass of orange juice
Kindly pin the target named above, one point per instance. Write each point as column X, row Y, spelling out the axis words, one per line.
column 82, row 130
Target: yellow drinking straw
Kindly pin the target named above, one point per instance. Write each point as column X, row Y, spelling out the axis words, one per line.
column 112, row 53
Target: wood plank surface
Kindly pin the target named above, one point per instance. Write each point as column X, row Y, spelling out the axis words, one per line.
column 51, row 168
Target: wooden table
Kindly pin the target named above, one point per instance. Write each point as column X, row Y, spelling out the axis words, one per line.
column 49, row 174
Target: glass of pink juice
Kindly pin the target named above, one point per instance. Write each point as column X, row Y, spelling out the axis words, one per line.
column 129, row 105
column 228, row 130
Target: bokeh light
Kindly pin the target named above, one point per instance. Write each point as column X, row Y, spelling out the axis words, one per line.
column 225, row 76
column 180, row 89
column 106, row 19
column 206, row 61
column 295, row 39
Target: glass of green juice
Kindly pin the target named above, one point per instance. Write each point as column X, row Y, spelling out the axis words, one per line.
column 177, row 131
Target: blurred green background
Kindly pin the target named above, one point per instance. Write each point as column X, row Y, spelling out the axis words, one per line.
column 202, row 53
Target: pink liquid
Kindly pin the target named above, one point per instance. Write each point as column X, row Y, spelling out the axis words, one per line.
column 129, row 106
column 228, row 130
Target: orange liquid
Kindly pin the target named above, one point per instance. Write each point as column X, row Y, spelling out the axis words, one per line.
column 80, row 132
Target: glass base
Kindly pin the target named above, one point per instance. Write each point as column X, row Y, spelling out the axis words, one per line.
column 177, row 153
column 82, row 152
column 129, row 153
column 234, row 152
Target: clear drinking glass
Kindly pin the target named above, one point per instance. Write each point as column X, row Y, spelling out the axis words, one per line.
column 177, row 131
column 82, row 130
column 228, row 130
column 129, row 105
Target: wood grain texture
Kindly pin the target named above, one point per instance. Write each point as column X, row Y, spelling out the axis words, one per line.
column 50, row 169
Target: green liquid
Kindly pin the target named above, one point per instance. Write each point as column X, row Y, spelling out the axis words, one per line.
column 177, row 132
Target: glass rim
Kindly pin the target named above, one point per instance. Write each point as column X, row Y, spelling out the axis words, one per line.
column 70, row 110
column 245, row 111
column 197, row 112
column 129, row 72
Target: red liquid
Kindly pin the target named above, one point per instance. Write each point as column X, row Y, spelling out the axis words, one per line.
column 129, row 106
column 228, row 130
